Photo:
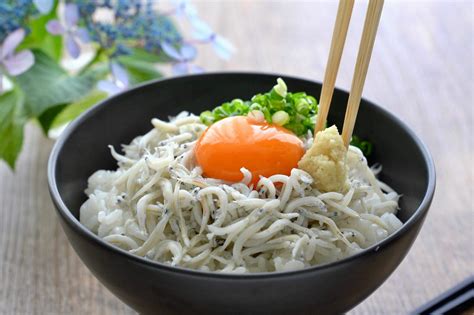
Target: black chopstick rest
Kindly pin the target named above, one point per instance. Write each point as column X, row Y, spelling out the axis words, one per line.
column 457, row 300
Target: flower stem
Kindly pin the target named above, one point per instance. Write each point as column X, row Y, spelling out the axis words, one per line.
column 97, row 57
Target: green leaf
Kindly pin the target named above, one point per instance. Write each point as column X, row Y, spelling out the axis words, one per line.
column 138, row 70
column 143, row 55
column 47, row 117
column 77, row 108
column 12, row 120
column 39, row 38
column 46, row 84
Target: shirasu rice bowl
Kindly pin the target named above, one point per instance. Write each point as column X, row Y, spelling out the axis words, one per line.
column 158, row 205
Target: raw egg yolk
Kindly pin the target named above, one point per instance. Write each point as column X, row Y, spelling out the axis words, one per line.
column 236, row 142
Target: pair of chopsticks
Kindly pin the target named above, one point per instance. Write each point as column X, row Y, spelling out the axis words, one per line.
column 343, row 18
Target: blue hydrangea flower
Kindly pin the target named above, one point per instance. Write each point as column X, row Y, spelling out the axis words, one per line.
column 14, row 14
column 11, row 62
column 119, row 81
column 70, row 30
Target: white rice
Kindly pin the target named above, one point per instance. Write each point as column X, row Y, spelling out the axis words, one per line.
column 158, row 205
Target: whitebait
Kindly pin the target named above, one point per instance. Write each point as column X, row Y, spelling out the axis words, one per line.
column 158, row 205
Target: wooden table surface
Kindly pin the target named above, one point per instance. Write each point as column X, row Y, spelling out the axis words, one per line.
column 421, row 70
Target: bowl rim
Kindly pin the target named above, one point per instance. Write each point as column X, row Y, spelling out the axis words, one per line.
column 75, row 224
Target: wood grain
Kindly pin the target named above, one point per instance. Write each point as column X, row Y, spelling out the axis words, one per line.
column 421, row 70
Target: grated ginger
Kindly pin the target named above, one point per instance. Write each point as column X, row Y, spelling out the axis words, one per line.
column 325, row 161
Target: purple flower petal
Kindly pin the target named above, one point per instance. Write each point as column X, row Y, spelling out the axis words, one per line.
column 19, row 63
column 180, row 68
column 44, row 6
column 223, row 47
column 188, row 52
column 108, row 87
column 185, row 8
column 120, row 75
column 82, row 34
column 202, row 31
column 54, row 27
column 179, row 8
column 11, row 42
column 71, row 15
column 171, row 51
column 190, row 10
column 72, row 47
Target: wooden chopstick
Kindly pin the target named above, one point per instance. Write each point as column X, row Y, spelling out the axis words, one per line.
column 371, row 23
column 343, row 18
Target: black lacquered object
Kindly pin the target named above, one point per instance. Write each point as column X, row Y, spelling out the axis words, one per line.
column 457, row 300
column 151, row 287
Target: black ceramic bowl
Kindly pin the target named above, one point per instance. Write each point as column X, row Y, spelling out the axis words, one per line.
column 151, row 287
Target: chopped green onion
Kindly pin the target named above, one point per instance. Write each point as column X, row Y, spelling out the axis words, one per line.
column 294, row 111
column 280, row 118
column 207, row 117
column 365, row 146
column 280, row 88
column 256, row 115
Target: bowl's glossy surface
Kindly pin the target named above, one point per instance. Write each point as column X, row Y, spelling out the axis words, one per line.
column 151, row 287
